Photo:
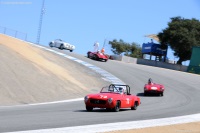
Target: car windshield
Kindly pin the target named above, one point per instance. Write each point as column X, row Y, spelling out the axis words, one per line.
column 59, row 40
column 113, row 89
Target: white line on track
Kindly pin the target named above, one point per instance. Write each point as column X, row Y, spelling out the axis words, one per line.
column 46, row 103
column 120, row 125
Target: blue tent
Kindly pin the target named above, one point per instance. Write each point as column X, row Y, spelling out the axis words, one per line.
column 153, row 49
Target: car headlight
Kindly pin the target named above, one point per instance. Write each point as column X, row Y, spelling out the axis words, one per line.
column 86, row 98
column 110, row 100
column 161, row 89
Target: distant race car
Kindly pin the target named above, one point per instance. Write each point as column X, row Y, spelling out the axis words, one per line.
column 97, row 55
column 113, row 98
column 58, row 43
column 153, row 88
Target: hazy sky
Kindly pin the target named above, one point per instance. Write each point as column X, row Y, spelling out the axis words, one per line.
column 82, row 22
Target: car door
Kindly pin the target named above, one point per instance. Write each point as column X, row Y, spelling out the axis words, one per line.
column 57, row 43
column 126, row 101
column 129, row 101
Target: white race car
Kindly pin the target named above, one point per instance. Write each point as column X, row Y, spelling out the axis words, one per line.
column 58, row 43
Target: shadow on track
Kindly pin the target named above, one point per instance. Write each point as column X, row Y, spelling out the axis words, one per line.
column 149, row 95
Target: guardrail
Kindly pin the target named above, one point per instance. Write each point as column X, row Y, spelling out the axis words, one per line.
column 13, row 33
column 150, row 63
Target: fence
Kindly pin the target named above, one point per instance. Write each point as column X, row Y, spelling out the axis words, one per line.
column 13, row 33
column 150, row 63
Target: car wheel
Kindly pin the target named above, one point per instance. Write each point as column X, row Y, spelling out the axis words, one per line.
column 51, row 44
column 161, row 94
column 89, row 108
column 134, row 106
column 117, row 107
column 61, row 47
column 96, row 57
column 88, row 55
column 70, row 50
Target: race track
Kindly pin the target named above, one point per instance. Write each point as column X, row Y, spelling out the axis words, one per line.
column 181, row 97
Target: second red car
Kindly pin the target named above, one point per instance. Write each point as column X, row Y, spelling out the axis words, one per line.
column 153, row 88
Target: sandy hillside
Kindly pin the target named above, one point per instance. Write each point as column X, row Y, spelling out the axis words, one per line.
column 32, row 75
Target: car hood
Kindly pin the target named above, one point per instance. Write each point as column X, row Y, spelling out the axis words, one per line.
column 101, row 55
column 65, row 43
column 104, row 95
column 154, row 85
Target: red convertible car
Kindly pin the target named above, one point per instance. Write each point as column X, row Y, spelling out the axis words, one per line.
column 97, row 56
column 153, row 88
column 113, row 98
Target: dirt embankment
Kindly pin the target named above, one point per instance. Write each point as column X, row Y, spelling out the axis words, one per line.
column 31, row 75
column 193, row 127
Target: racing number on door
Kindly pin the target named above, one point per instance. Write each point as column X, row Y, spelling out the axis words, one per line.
column 127, row 101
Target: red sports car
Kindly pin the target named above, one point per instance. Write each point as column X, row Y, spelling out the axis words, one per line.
column 153, row 88
column 97, row 56
column 113, row 97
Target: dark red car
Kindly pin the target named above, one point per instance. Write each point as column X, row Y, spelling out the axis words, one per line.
column 97, row 56
column 153, row 88
column 113, row 97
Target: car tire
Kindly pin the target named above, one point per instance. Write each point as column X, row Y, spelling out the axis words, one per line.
column 96, row 57
column 161, row 94
column 61, row 47
column 89, row 108
column 71, row 50
column 117, row 107
column 88, row 55
column 134, row 107
column 51, row 44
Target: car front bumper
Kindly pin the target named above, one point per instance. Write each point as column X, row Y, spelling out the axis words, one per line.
column 95, row 103
column 153, row 91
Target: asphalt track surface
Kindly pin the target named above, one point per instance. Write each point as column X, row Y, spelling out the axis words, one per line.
column 181, row 98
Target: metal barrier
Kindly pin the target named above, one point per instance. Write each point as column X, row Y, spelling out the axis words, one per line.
column 150, row 63
column 13, row 33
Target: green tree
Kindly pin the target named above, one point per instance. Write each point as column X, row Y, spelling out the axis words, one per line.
column 119, row 47
column 181, row 35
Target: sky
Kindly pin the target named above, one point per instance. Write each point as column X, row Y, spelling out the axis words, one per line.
column 84, row 22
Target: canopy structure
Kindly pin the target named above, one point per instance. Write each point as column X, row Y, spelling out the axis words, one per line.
column 153, row 36
column 153, row 48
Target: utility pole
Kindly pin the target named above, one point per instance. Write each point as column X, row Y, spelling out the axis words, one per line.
column 104, row 43
column 40, row 23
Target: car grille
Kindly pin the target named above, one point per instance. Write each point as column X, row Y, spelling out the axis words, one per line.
column 153, row 91
column 96, row 101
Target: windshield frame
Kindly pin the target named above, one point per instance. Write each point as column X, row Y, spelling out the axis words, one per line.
column 108, row 89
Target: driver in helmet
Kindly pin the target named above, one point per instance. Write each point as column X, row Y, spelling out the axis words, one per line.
column 120, row 89
column 150, row 81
